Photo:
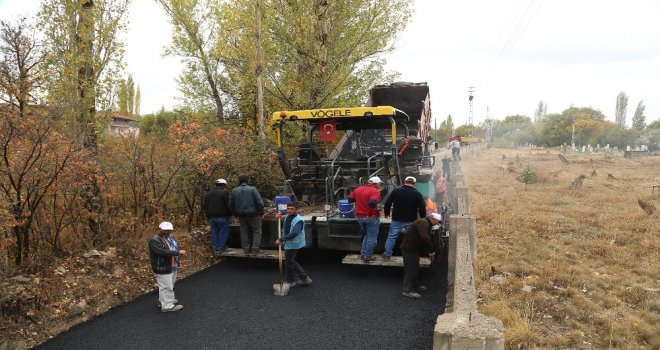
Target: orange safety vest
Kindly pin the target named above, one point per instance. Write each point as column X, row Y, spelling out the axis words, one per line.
column 430, row 207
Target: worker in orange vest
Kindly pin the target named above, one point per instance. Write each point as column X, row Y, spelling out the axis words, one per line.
column 440, row 188
column 430, row 206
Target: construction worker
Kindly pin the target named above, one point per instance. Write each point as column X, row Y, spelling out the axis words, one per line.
column 440, row 188
column 430, row 206
column 216, row 208
column 417, row 242
column 366, row 200
column 445, row 167
column 455, row 146
column 163, row 260
column 293, row 239
column 246, row 203
column 408, row 204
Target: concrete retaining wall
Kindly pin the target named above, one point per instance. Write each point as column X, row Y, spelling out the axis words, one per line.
column 462, row 326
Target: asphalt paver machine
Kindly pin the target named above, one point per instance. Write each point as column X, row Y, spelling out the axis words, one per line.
column 388, row 137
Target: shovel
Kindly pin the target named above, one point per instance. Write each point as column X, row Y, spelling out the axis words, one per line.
column 280, row 289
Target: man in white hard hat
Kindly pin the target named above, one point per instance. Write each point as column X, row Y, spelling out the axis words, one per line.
column 216, row 208
column 163, row 257
column 417, row 242
column 366, row 200
column 409, row 205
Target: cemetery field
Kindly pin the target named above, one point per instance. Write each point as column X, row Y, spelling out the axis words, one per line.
column 568, row 268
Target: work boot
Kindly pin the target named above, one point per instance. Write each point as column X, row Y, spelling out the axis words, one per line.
column 412, row 295
column 386, row 258
column 173, row 308
column 305, row 281
column 367, row 260
column 255, row 250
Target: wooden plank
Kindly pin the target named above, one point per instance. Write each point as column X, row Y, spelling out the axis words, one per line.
column 395, row 261
column 239, row 253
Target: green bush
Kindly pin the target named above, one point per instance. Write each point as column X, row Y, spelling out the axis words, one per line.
column 528, row 176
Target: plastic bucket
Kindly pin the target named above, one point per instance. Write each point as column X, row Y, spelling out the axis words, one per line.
column 346, row 209
column 281, row 202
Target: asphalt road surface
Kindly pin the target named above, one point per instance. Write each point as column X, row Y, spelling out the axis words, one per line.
column 231, row 306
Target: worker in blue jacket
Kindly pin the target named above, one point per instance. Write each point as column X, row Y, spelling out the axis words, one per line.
column 293, row 239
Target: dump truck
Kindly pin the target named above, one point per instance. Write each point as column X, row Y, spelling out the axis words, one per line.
column 388, row 137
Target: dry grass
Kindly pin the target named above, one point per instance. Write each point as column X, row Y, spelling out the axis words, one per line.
column 591, row 254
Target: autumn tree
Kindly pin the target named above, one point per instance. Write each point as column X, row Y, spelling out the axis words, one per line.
column 87, row 52
column 511, row 124
column 33, row 153
column 195, row 40
column 639, row 120
column 654, row 125
column 621, row 109
column 22, row 66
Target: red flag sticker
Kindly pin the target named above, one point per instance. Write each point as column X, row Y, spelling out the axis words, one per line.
column 327, row 129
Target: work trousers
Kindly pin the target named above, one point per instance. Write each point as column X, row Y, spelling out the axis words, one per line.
column 166, row 289
column 369, row 227
column 219, row 232
column 410, row 270
column 293, row 270
column 250, row 231
column 456, row 153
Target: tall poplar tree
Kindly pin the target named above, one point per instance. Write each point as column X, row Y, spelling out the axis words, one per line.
column 541, row 111
column 138, row 100
column 639, row 119
column 83, row 37
column 621, row 106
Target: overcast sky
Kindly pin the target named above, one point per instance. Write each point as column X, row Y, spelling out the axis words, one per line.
column 514, row 53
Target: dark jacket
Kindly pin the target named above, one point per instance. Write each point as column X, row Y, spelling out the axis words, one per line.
column 408, row 203
column 245, row 200
column 417, row 237
column 216, row 203
column 160, row 255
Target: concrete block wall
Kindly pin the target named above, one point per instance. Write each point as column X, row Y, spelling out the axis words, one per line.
column 462, row 326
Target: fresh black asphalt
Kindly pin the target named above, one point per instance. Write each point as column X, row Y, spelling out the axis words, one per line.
column 231, row 306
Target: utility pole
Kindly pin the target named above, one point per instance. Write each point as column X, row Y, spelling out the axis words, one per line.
column 471, row 117
column 259, row 73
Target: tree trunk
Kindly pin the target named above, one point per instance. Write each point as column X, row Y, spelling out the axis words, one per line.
column 93, row 194
column 259, row 73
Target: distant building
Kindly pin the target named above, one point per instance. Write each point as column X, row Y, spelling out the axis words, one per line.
column 123, row 125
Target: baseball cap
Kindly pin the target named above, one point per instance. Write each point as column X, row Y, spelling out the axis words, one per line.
column 436, row 216
column 221, row 181
column 166, row 226
column 410, row 179
column 375, row 180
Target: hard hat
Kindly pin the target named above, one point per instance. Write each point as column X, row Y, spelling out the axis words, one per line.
column 166, row 226
column 410, row 179
column 375, row 180
column 221, row 182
